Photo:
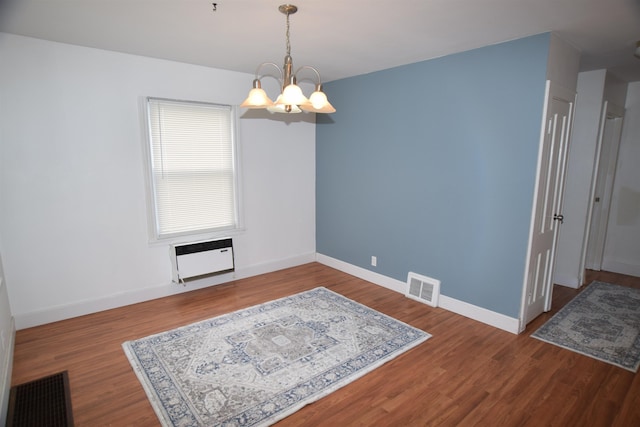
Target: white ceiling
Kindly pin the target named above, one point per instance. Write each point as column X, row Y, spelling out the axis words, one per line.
column 339, row 38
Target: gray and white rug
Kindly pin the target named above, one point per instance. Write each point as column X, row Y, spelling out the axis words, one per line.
column 603, row 322
column 255, row 366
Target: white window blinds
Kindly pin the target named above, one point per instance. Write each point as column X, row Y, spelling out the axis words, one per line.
column 193, row 169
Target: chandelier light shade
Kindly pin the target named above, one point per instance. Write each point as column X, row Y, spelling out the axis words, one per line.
column 291, row 99
column 257, row 97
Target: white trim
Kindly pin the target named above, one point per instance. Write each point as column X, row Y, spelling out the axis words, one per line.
column 620, row 267
column 609, row 111
column 492, row 318
column 272, row 266
column 7, row 369
column 568, row 281
column 363, row 273
column 54, row 314
column 154, row 239
column 61, row 312
column 592, row 192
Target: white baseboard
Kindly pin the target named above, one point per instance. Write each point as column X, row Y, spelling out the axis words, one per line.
column 488, row 317
column 620, row 267
column 568, row 281
column 362, row 273
column 271, row 266
column 471, row 311
column 7, row 369
column 54, row 314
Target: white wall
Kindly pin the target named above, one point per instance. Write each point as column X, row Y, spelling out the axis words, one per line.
column 615, row 90
column 73, row 214
column 622, row 246
column 563, row 63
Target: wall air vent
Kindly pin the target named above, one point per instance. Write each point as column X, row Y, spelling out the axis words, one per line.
column 423, row 289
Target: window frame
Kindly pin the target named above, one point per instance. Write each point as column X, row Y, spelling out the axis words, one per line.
column 154, row 235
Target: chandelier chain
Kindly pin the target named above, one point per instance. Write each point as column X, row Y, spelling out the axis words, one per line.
column 288, row 39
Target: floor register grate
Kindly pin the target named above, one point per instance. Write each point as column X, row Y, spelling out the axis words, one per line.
column 43, row 402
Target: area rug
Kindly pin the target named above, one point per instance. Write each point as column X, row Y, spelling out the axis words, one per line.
column 256, row 366
column 602, row 322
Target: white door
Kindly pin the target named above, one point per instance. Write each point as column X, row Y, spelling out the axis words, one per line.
column 547, row 206
column 605, row 169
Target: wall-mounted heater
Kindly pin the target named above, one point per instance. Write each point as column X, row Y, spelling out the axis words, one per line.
column 201, row 258
column 423, row 289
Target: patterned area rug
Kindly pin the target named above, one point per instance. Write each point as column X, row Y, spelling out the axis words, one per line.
column 254, row 367
column 603, row 322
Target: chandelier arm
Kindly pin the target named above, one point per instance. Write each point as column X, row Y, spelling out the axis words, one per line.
column 308, row 67
column 277, row 67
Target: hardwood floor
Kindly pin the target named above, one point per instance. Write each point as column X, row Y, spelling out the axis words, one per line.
column 467, row 374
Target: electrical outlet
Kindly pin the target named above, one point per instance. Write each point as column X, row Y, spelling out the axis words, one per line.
column 374, row 260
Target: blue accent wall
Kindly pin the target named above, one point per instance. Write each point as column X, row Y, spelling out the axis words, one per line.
column 431, row 168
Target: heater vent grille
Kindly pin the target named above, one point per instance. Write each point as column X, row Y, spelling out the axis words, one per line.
column 423, row 289
column 198, row 259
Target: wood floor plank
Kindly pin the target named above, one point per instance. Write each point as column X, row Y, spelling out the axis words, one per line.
column 467, row 374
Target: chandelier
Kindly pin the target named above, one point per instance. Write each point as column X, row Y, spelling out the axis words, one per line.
column 291, row 99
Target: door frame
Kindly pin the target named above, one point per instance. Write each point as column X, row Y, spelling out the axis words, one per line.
column 615, row 112
column 552, row 91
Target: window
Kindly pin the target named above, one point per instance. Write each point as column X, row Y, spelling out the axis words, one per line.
column 192, row 165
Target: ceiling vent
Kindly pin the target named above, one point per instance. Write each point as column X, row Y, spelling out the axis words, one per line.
column 423, row 289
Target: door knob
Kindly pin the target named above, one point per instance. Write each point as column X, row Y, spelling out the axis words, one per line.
column 560, row 218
